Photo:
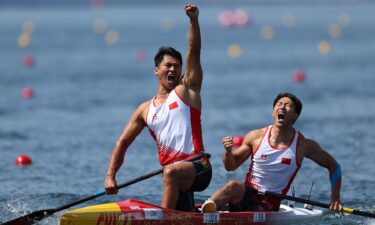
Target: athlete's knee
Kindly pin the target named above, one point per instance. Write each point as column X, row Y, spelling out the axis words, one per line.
column 235, row 191
column 234, row 185
column 234, row 188
column 170, row 173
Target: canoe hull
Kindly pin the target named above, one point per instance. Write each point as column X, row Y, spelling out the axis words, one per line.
column 134, row 212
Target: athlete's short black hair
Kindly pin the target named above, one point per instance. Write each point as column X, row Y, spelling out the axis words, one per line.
column 295, row 100
column 166, row 51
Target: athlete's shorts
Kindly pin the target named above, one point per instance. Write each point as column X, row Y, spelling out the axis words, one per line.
column 252, row 201
column 203, row 175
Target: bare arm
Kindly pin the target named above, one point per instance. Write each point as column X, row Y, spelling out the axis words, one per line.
column 313, row 151
column 130, row 132
column 232, row 160
column 193, row 74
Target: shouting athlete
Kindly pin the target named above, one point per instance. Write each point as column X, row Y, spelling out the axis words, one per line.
column 173, row 118
column 276, row 153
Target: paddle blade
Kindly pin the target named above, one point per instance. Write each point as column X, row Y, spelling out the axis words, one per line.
column 30, row 218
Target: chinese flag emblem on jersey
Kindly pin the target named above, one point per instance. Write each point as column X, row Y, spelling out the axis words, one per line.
column 286, row 161
column 173, row 105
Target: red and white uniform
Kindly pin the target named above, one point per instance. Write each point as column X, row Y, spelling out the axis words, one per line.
column 273, row 169
column 176, row 128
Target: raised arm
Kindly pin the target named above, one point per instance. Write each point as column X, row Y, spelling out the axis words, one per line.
column 193, row 74
column 130, row 132
column 313, row 151
column 233, row 159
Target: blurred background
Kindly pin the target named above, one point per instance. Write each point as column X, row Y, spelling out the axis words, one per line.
column 72, row 72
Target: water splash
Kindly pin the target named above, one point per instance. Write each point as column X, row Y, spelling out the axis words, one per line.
column 18, row 205
column 370, row 222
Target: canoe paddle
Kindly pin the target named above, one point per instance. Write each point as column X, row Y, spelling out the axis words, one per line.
column 319, row 204
column 41, row 214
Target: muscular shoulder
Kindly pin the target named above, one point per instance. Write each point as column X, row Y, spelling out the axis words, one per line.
column 142, row 110
column 257, row 133
column 190, row 95
column 254, row 136
column 145, row 105
column 308, row 146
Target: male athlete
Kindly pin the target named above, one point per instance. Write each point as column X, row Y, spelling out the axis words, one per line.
column 173, row 118
column 276, row 152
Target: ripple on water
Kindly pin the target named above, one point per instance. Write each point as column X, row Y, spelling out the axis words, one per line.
column 13, row 135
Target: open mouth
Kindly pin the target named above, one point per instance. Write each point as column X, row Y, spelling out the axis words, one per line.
column 171, row 77
column 280, row 116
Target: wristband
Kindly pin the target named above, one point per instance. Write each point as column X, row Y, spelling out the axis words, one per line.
column 335, row 176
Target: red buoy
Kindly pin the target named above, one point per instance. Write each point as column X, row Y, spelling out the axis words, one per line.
column 226, row 18
column 237, row 141
column 299, row 76
column 141, row 55
column 236, row 18
column 241, row 18
column 28, row 60
column 23, row 160
column 27, row 93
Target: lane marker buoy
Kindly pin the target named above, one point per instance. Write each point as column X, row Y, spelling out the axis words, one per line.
column 237, row 141
column 299, row 76
column 27, row 93
column 23, row 160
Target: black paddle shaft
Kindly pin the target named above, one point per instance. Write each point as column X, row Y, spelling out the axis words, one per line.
column 36, row 216
column 319, row 204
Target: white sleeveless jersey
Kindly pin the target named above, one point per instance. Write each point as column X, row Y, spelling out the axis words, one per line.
column 273, row 169
column 176, row 129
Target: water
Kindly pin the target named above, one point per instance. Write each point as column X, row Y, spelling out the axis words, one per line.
column 85, row 91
